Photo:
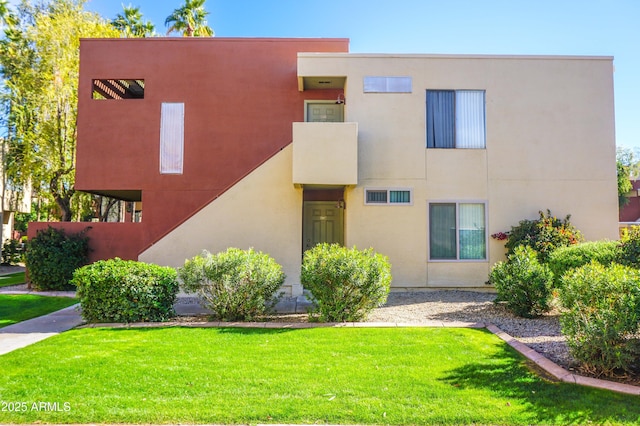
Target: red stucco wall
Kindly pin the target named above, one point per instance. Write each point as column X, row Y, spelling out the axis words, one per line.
column 240, row 97
column 106, row 240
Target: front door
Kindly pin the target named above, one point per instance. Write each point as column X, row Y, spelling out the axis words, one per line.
column 323, row 222
column 323, row 112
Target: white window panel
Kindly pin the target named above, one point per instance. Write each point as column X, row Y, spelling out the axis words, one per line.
column 387, row 84
column 172, row 138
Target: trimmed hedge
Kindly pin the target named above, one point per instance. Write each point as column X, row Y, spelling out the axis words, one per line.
column 118, row 290
column 52, row 256
column 345, row 284
column 235, row 284
column 564, row 259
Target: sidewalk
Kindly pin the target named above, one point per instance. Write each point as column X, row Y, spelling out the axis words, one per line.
column 27, row 332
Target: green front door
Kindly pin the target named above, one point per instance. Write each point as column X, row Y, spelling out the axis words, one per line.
column 323, row 222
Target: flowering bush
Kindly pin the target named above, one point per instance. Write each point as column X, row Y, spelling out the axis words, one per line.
column 544, row 235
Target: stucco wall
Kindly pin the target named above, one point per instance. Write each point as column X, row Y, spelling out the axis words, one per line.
column 549, row 145
column 263, row 211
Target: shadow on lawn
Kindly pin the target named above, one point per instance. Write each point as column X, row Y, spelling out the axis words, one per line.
column 546, row 402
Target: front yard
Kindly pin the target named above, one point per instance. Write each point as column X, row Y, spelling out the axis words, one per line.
column 324, row 375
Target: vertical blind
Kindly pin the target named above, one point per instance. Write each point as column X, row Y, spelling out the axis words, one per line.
column 440, row 118
column 472, row 231
column 457, row 231
column 455, row 119
column 171, row 138
column 470, row 120
column 442, row 231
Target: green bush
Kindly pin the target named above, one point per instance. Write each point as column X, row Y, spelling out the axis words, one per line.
column 11, row 252
column 564, row 259
column 629, row 254
column 52, row 256
column 523, row 283
column 235, row 284
column 118, row 290
column 602, row 310
column 544, row 235
column 345, row 284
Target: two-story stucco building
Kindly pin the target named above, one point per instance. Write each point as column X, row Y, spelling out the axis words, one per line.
column 279, row 144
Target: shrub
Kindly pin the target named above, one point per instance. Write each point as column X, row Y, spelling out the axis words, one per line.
column 11, row 252
column 523, row 283
column 602, row 312
column 345, row 284
column 564, row 259
column 235, row 284
column 630, row 247
column 544, row 235
column 52, row 256
column 118, row 290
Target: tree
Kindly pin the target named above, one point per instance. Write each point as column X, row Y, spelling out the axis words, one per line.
column 6, row 17
column 625, row 165
column 130, row 23
column 40, row 62
column 190, row 20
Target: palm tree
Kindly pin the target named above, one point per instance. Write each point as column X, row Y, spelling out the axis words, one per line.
column 130, row 23
column 190, row 20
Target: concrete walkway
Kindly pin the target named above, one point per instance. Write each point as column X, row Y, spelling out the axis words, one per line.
column 27, row 332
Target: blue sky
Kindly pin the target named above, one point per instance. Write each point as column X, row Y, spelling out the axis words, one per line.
column 539, row 27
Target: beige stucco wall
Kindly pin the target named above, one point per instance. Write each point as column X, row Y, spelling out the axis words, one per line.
column 263, row 211
column 549, row 145
column 325, row 153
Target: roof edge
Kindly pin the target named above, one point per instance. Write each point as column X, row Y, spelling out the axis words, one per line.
column 450, row 56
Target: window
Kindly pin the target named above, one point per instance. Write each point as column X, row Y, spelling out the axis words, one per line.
column 457, row 231
column 455, row 119
column 388, row 196
column 118, row 89
column 387, row 85
column 171, row 138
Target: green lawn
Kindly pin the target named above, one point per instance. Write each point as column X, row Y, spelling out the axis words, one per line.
column 322, row 375
column 19, row 307
column 12, row 279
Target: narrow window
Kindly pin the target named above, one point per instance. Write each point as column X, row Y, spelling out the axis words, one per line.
column 457, row 231
column 118, row 89
column 171, row 138
column 388, row 196
column 456, row 119
column 387, row 85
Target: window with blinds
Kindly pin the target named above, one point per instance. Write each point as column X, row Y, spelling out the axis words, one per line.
column 457, row 231
column 456, row 119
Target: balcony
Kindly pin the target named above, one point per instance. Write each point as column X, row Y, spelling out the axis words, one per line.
column 325, row 153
